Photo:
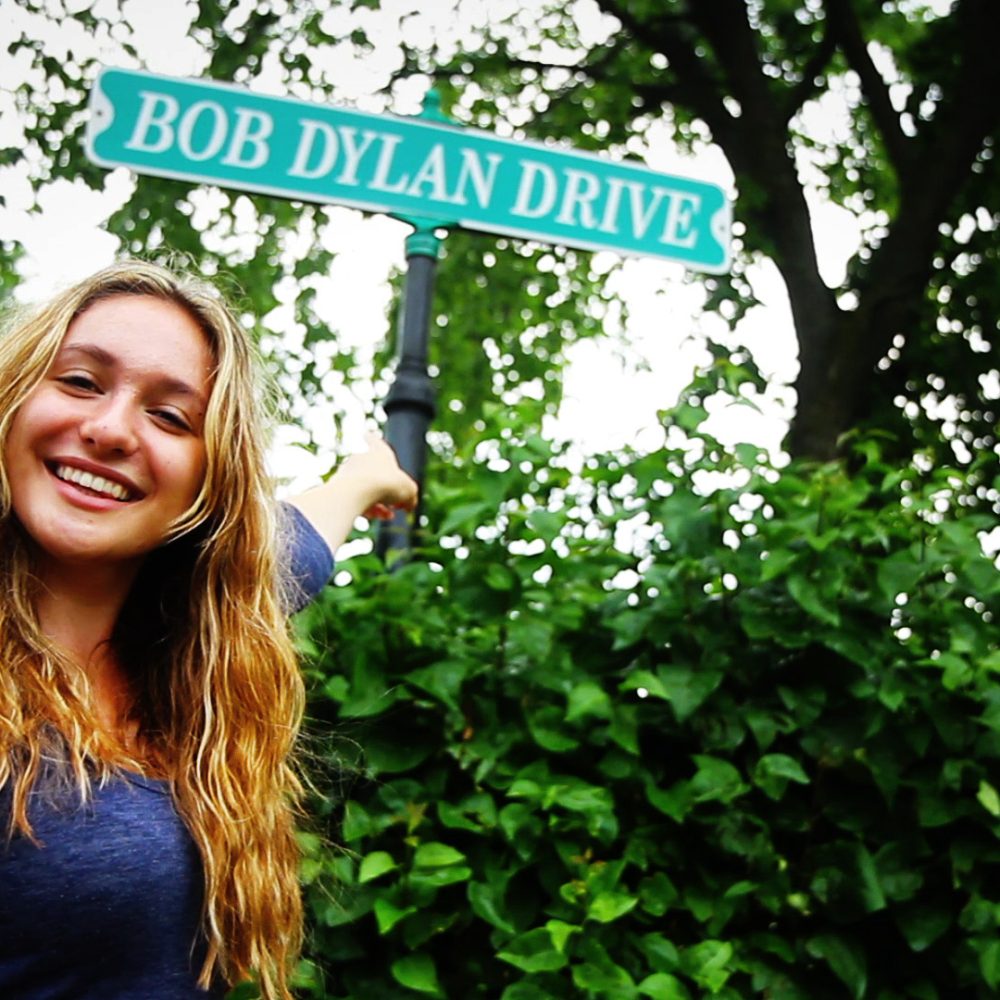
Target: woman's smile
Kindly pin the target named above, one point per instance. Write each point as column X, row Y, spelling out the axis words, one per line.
column 91, row 483
column 107, row 451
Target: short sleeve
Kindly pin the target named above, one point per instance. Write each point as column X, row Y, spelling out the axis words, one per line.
column 308, row 560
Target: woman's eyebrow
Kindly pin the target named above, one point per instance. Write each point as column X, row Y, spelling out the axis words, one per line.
column 174, row 386
column 91, row 350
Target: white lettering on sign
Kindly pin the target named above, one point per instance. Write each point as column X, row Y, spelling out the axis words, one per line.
column 642, row 215
column 155, row 115
column 588, row 201
column 380, row 181
column 581, row 192
column 252, row 129
column 353, row 153
column 431, row 173
column 526, row 190
column 188, row 123
column 304, row 151
column 482, row 180
column 609, row 219
column 680, row 216
column 155, row 131
column 369, row 158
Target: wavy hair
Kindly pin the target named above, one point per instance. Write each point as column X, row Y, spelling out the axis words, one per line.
column 203, row 636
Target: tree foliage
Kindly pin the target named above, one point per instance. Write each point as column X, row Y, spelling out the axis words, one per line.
column 644, row 725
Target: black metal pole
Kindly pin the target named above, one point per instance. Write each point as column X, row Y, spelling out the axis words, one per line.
column 409, row 405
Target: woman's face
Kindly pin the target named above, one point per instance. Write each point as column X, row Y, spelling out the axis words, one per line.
column 108, row 449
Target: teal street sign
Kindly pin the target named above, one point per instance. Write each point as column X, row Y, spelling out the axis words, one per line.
column 410, row 167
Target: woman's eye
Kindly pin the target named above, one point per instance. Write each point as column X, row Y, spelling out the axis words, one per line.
column 79, row 382
column 172, row 418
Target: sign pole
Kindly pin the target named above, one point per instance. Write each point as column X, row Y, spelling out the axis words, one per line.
column 410, row 406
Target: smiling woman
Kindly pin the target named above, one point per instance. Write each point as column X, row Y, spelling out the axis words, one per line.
column 115, row 427
column 149, row 694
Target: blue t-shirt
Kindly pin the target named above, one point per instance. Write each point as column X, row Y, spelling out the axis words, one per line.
column 310, row 561
column 107, row 905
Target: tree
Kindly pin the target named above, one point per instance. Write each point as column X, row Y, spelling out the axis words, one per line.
column 913, row 163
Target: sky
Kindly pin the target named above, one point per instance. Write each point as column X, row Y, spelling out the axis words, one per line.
column 666, row 326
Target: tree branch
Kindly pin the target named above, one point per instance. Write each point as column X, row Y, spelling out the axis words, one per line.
column 693, row 85
column 758, row 153
column 844, row 28
column 807, row 87
column 892, row 288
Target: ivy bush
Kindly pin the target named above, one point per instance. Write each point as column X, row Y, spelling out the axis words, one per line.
column 669, row 726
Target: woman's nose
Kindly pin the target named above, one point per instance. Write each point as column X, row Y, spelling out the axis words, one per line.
column 110, row 425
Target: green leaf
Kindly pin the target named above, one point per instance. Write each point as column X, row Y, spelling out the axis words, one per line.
column 988, row 798
column 869, row 883
column 661, row 953
column 436, row 855
column 435, row 878
column 715, row 780
column 606, row 980
column 657, row 894
column 527, row 990
column 533, row 952
column 608, row 906
column 845, row 958
column 547, row 726
column 773, row 772
column 487, row 903
column 989, row 962
column 500, row 577
column 646, row 681
column 820, row 605
column 357, row 823
column 687, row 688
column 417, row 972
column 741, row 888
column 375, row 864
column 624, row 729
column 663, row 986
column 588, row 700
column 476, row 812
column 782, row 766
column 675, row 802
column 708, row 964
column 443, row 680
column 388, row 914
column 688, row 416
column 465, row 518
column 922, row 925
column 546, row 524
column 777, row 563
column 898, row 574
column 560, row 932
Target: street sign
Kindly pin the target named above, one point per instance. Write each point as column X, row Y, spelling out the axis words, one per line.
column 227, row 135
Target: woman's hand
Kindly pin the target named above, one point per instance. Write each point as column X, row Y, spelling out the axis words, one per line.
column 368, row 483
column 377, row 473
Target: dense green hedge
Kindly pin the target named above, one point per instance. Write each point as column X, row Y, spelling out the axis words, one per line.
column 756, row 756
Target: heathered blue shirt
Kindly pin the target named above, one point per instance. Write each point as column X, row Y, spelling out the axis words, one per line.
column 107, row 905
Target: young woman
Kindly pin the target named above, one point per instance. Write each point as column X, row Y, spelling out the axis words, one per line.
column 149, row 694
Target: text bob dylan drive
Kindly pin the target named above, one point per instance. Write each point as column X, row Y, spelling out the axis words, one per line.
column 444, row 173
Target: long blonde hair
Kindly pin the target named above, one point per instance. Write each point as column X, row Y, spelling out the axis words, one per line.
column 218, row 693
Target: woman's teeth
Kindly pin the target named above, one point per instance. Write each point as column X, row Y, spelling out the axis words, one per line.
column 91, row 482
